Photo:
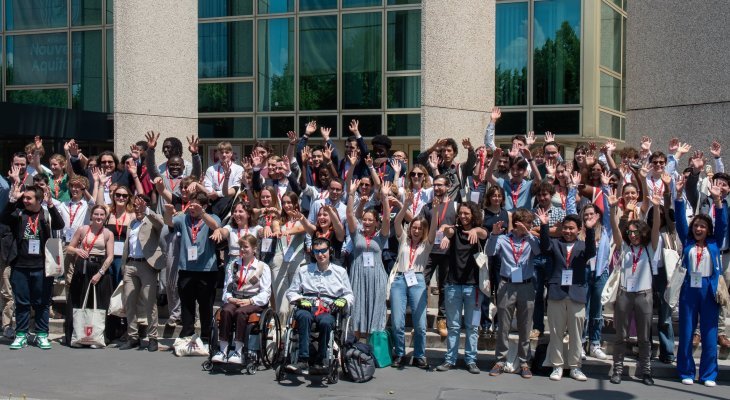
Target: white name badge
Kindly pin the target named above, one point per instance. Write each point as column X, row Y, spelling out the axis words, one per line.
column 411, row 279
column 476, row 316
column 695, row 279
column 592, row 263
column 69, row 234
column 516, row 275
column 439, row 237
column 474, row 196
column 266, row 245
column 566, row 278
column 34, row 246
column 368, row 259
column 193, row 253
column 118, row 248
column 654, row 268
column 632, row 284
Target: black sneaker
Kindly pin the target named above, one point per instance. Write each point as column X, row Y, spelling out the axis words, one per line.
column 616, row 378
column 397, row 362
column 444, row 367
column 298, row 368
column 318, row 369
column 153, row 346
column 472, row 368
column 130, row 344
column 648, row 380
column 420, row 362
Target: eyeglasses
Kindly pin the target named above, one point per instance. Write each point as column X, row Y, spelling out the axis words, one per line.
column 317, row 252
column 633, row 231
column 416, row 174
column 658, row 162
column 107, row 162
column 121, row 195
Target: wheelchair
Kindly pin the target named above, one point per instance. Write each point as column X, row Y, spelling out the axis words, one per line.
column 333, row 356
column 263, row 344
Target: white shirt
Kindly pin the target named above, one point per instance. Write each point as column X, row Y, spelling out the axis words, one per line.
column 643, row 274
column 235, row 233
column 705, row 266
column 79, row 210
column 135, row 247
column 214, row 177
column 262, row 287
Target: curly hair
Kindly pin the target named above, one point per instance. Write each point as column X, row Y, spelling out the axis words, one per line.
column 476, row 214
column 642, row 227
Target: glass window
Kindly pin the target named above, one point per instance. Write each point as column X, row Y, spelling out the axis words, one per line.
column 557, row 122
column 226, row 128
column 511, row 54
column 276, row 64
column 87, row 82
column 85, row 12
column 610, row 38
column 404, row 40
column 37, row 59
column 399, row 2
column 225, row 97
column 609, row 126
column 109, row 12
column 109, row 70
column 275, row 127
column 361, row 3
column 309, row 5
column 328, row 121
column 35, row 14
column 42, row 97
column 224, row 8
column 318, row 63
column 512, row 123
column 404, row 125
column 225, row 49
column 404, row 92
column 275, row 6
column 610, row 92
column 557, row 52
column 370, row 125
column 361, row 61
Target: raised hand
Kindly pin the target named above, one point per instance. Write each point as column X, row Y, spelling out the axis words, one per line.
column 655, row 200
column 514, row 151
column 132, row 168
column 325, row 133
column 311, row 128
column 606, row 178
column 715, row 191
column 293, row 137
column 592, row 221
column 644, row 170
column 159, row 184
column 395, row 164
column 434, row 160
column 467, row 144
column 327, row 152
column 679, row 184
column 631, row 205
column 306, row 155
column 409, row 199
column 551, row 166
column 256, row 160
column 697, row 161
column 497, row 228
column 716, row 149
column 287, row 164
column 38, row 142
column 73, row 148
column 193, row 144
column 246, row 163
column 575, row 179
column 683, row 149
column 530, row 138
column 14, row 173
column 354, row 184
column 549, row 137
column 385, row 188
column 526, row 153
column 543, row 216
column 609, row 147
column 354, row 127
column 134, row 152
column 495, row 114
column 666, row 179
column 152, row 138
column 612, row 198
column 352, row 157
column 646, row 144
column 673, row 145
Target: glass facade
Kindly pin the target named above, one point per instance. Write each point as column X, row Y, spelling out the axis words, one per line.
column 612, row 106
column 57, row 53
column 269, row 66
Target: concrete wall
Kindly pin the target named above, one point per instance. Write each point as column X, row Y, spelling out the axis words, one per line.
column 155, row 70
column 677, row 74
column 457, row 70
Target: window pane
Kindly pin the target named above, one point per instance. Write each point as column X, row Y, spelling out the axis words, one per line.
column 225, row 97
column 361, row 3
column 404, row 125
column 609, row 126
column 275, row 127
column 511, row 54
column 87, row 85
column 404, row 40
column 109, row 70
column 511, row 123
column 361, row 61
column 557, row 52
column 275, row 6
column 37, row 59
column 610, row 38
column 109, row 12
column 35, row 14
column 225, row 128
column 404, row 92
column 224, row 8
column 370, row 125
column 610, row 92
column 308, row 5
column 557, row 122
column 42, row 97
column 328, row 121
column 399, row 2
column 276, row 64
column 225, row 49
column 85, row 12
column 318, row 63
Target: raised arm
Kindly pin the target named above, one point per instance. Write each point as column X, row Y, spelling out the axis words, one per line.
column 613, row 203
column 720, row 229
column 489, row 133
column 194, row 148
column 656, row 201
column 149, row 160
column 351, row 220
column 493, row 164
column 398, row 221
column 385, row 225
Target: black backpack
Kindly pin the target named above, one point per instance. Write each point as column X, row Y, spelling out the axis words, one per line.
column 358, row 362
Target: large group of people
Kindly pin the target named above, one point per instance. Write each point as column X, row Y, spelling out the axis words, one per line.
column 521, row 230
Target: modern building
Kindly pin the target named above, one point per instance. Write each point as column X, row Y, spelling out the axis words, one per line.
column 106, row 72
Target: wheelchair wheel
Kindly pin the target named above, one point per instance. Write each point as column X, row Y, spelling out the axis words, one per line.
column 207, row 365
column 270, row 338
column 334, row 375
column 213, row 344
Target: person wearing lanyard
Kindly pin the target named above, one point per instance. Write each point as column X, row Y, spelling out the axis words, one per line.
column 493, row 208
column 419, row 184
column 93, row 246
column 198, row 270
column 142, row 259
column 515, row 294
column 635, row 296
column 518, row 190
column 697, row 301
column 476, row 184
column 290, row 251
column 216, row 174
column 120, row 215
column 59, row 178
column 567, row 277
column 461, row 292
column 240, row 225
column 367, row 273
column 268, row 215
column 246, row 291
column 31, row 288
column 172, row 172
column 409, row 286
column 329, row 226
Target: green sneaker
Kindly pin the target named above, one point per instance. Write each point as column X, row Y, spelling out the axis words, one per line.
column 43, row 342
column 20, row 341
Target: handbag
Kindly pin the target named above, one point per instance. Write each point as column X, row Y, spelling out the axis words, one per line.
column 53, row 258
column 190, row 346
column 674, row 287
column 88, row 323
column 116, row 303
column 608, row 294
column 483, row 262
column 381, row 344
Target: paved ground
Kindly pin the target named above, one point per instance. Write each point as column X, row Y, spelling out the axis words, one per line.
column 64, row 373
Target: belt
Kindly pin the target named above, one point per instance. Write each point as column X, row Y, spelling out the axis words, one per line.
column 96, row 259
column 136, row 259
column 637, row 292
column 509, row 280
column 401, row 273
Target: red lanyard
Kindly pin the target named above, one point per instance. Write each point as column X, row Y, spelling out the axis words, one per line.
column 243, row 275
column 221, row 177
column 57, row 186
column 185, row 205
column 654, row 189
column 24, row 179
column 416, row 200
column 314, row 178
column 368, row 239
column 120, row 227
column 563, row 198
column 569, row 250
column 636, row 258
column 88, row 246
column 443, row 214
column 517, row 252
column 173, row 185
column 700, row 252
column 194, row 229
column 33, row 225
column 244, row 230
column 72, row 213
column 412, row 255
column 381, row 171
column 478, row 177
column 515, row 193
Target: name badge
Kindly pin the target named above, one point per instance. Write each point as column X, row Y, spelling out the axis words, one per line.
column 474, row 196
column 69, row 234
column 516, row 275
column 695, row 279
column 368, row 259
column 632, row 284
column 34, row 246
column 592, row 263
column 266, row 245
column 654, row 268
column 439, row 237
column 118, row 248
column 566, row 278
column 193, row 253
column 411, row 279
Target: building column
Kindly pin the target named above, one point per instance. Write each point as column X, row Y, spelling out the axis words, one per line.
column 155, row 71
column 457, row 70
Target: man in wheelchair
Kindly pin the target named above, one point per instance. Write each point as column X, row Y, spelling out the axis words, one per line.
column 318, row 292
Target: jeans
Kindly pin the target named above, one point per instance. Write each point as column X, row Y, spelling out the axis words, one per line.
column 415, row 296
column 325, row 325
column 664, row 319
column 458, row 298
column 594, row 308
column 31, row 289
column 540, row 264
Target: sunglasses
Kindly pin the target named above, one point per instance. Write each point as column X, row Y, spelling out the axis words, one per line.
column 416, row 174
column 121, row 195
column 317, row 252
column 633, row 231
column 659, row 162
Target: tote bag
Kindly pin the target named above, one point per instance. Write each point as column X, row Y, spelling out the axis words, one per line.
column 88, row 323
column 674, row 287
column 483, row 262
column 116, row 303
column 54, row 258
column 380, row 342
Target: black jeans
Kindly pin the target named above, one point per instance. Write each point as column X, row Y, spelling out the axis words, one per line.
column 438, row 263
column 33, row 290
column 196, row 287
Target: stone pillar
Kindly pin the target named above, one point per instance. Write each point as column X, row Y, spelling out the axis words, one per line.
column 155, row 71
column 457, row 57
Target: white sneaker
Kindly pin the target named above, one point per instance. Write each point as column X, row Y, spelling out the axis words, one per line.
column 557, row 374
column 235, row 358
column 219, row 357
column 598, row 353
column 710, row 383
column 578, row 375
column 583, row 353
column 688, row 381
